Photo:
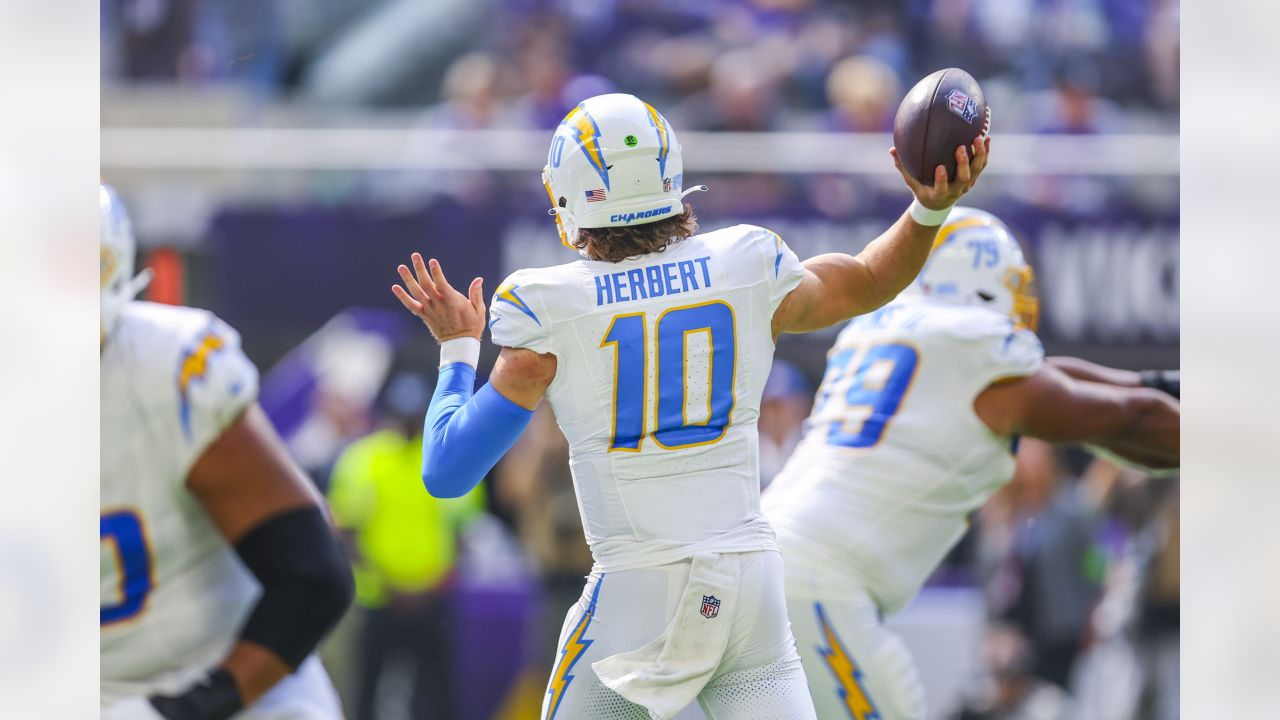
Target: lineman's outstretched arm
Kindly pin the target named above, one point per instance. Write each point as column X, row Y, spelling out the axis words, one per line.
column 267, row 509
column 837, row 286
column 1166, row 381
column 1139, row 424
column 1093, row 372
column 466, row 433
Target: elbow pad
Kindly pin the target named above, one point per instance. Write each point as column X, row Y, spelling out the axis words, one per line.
column 306, row 582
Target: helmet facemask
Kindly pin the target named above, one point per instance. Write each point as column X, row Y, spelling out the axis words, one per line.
column 117, row 284
column 976, row 260
column 1021, row 282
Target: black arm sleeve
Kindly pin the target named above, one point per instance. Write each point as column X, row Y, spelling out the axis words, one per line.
column 306, row 582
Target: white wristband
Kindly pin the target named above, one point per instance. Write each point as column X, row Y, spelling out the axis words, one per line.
column 460, row 350
column 931, row 218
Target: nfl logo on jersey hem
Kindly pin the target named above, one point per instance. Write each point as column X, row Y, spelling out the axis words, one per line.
column 710, row 606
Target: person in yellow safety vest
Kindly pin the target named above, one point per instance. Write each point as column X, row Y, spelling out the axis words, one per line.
column 404, row 547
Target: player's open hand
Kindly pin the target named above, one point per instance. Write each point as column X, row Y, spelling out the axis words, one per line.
column 945, row 193
column 447, row 313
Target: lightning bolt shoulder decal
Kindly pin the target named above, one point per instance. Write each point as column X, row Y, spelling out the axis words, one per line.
column 507, row 294
column 192, row 367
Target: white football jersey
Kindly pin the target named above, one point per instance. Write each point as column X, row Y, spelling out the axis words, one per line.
column 174, row 595
column 894, row 457
column 661, row 361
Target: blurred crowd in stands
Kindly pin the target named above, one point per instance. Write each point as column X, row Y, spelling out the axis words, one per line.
column 1052, row 66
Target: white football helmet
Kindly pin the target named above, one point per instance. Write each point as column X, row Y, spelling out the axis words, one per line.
column 614, row 161
column 977, row 261
column 118, row 284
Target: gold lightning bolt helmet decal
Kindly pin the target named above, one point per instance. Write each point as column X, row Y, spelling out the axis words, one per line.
column 659, row 124
column 587, row 138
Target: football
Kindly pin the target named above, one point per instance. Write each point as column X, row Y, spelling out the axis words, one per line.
column 942, row 112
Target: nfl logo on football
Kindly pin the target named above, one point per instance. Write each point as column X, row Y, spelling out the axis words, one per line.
column 710, row 606
column 962, row 105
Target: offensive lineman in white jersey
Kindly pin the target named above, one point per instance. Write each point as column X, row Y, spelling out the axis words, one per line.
column 913, row 428
column 653, row 351
column 220, row 573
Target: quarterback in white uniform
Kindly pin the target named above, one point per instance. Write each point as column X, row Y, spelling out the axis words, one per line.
column 913, row 428
column 653, row 350
column 208, row 532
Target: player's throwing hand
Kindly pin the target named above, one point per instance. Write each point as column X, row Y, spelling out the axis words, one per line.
column 447, row 313
column 944, row 194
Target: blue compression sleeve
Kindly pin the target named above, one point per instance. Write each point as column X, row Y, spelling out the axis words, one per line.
column 464, row 436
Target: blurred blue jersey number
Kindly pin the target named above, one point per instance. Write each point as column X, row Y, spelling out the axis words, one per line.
column 875, row 391
column 123, row 529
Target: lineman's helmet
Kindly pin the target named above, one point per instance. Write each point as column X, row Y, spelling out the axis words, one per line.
column 117, row 282
column 614, row 161
column 977, row 261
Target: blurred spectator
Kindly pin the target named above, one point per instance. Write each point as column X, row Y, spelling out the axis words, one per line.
column 544, row 68
column 1163, row 52
column 155, row 34
column 404, row 547
column 1160, row 613
column 864, row 94
column 1012, row 691
column 1130, row 670
column 742, row 95
column 1073, row 106
column 470, row 95
column 1046, row 580
column 783, row 409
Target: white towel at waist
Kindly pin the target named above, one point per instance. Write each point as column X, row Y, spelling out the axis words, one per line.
column 668, row 673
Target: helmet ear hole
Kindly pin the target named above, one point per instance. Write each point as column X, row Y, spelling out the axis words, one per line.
column 563, row 202
column 986, row 296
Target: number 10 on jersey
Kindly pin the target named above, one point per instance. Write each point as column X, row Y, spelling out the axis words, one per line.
column 672, row 430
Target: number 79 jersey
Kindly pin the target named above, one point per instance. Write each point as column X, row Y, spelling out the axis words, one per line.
column 894, row 458
column 661, row 362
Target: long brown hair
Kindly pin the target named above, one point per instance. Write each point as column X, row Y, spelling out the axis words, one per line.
column 614, row 244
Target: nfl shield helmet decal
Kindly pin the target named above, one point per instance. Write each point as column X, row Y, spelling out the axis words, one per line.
column 962, row 105
column 710, row 606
